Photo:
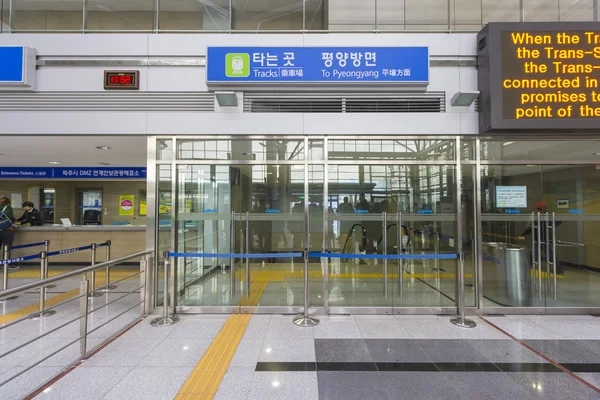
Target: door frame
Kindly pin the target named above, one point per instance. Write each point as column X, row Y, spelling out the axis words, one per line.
column 478, row 162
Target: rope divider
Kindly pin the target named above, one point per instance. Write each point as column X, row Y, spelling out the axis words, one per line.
column 320, row 255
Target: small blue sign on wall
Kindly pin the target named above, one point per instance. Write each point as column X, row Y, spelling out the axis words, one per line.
column 72, row 173
column 402, row 65
column 17, row 68
column 11, row 64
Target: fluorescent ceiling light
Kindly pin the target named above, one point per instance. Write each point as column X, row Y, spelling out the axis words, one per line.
column 54, row 162
column 463, row 99
column 226, row 99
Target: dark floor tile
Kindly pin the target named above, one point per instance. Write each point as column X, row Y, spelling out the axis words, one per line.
column 527, row 367
column 342, row 350
column 487, row 385
column 451, row 351
column 396, row 350
column 419, row 386
column 285, row 366
column 352, row 386
column 505, row 351
column 467, row 367
column 409, row 367
column 564, row 351
column 591, row 345
column 585, row 367
column 346, row 366
column 550, row 386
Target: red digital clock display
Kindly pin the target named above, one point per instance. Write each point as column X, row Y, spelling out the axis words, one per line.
column 121, row 80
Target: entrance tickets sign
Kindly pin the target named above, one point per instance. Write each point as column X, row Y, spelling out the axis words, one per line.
column 318, row 64
column 546, row 75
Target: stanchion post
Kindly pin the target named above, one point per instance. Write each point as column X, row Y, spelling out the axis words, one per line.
column 6, row 257
column 47, row 246
column 384, row 252
column 43, row 275
column 83, row 313
column 165, row 320
column 460, row 319
column 248, row 236
column 92, row 291
column 231, row 259
column 305, row 319
column 107, row 285
column 47, row 249
column 6, row 252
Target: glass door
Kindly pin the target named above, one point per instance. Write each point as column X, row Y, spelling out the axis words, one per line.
column 513, row 245
column 204, row 225
column 379, row 209
column 571, row 201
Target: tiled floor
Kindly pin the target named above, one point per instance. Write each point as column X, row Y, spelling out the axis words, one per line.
column 413, row 357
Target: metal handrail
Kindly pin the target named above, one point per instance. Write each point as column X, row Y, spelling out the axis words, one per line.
column 84, row 310
column 44, row 282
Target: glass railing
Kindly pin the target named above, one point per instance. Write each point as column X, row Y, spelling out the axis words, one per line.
column 285, row 16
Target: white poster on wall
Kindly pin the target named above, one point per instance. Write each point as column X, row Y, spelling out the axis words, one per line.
column 511, row 196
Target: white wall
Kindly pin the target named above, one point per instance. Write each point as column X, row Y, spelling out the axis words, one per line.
column 192, row 78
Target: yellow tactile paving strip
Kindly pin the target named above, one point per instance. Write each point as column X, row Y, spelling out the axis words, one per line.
column 206, row 377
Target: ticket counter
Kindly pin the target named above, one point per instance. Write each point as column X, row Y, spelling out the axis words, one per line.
column 124, row 241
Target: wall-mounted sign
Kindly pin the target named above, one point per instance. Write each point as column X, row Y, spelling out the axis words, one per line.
column 17, row 68
column 562, row 203
column 121, row 80
column 511, row 196
column 539, row 75
column 126, row 203
column 402, row 65
column 72, row 173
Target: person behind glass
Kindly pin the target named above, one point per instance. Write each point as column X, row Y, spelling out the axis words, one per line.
column 31, row 215
column 345, row 208
column 7, row 219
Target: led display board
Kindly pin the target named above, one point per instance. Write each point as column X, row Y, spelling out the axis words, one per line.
column 539, row 76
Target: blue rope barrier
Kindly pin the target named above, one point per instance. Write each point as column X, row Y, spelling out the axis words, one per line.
column 67, row 251
column 387, row 256
column 319, row 255
column 26, row 246
column 101, row 245
column 242, row 255
column 19, row 259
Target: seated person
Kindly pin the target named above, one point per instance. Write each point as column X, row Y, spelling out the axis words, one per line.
column 31, row 215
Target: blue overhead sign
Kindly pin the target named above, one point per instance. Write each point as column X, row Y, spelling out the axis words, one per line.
column 11, row 64
column 72, row 173
column 318, row 64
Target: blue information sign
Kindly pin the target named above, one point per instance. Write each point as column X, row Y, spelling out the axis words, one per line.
column 11, row 64
column 318, row 64
column 72, row 173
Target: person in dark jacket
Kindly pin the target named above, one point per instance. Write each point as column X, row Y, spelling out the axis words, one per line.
column 7, row 234
column 31, row 215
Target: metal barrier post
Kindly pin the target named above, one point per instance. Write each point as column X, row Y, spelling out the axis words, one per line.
column 83, row 313
column 47, row 250
column 6, row 256
column 143, row 266
column 460, row 320
column 165, row 320
column 305, row 319
column 92, row 291
column 232, row 260
column 43, row 275
column 384, row 252
column 107, row 285
column 247, row 251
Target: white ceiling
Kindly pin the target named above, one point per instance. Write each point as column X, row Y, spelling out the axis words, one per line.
column 72, row 151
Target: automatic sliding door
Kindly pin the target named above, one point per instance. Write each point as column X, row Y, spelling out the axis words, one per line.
column 571, row 198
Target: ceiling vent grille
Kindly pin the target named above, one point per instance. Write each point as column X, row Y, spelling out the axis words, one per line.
column 107, row 101
column 430, row 102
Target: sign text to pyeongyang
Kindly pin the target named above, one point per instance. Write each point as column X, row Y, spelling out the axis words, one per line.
column 318, row 64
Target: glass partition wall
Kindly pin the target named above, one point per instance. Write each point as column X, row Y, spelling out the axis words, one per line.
column 221, row 16
column 523, row 214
